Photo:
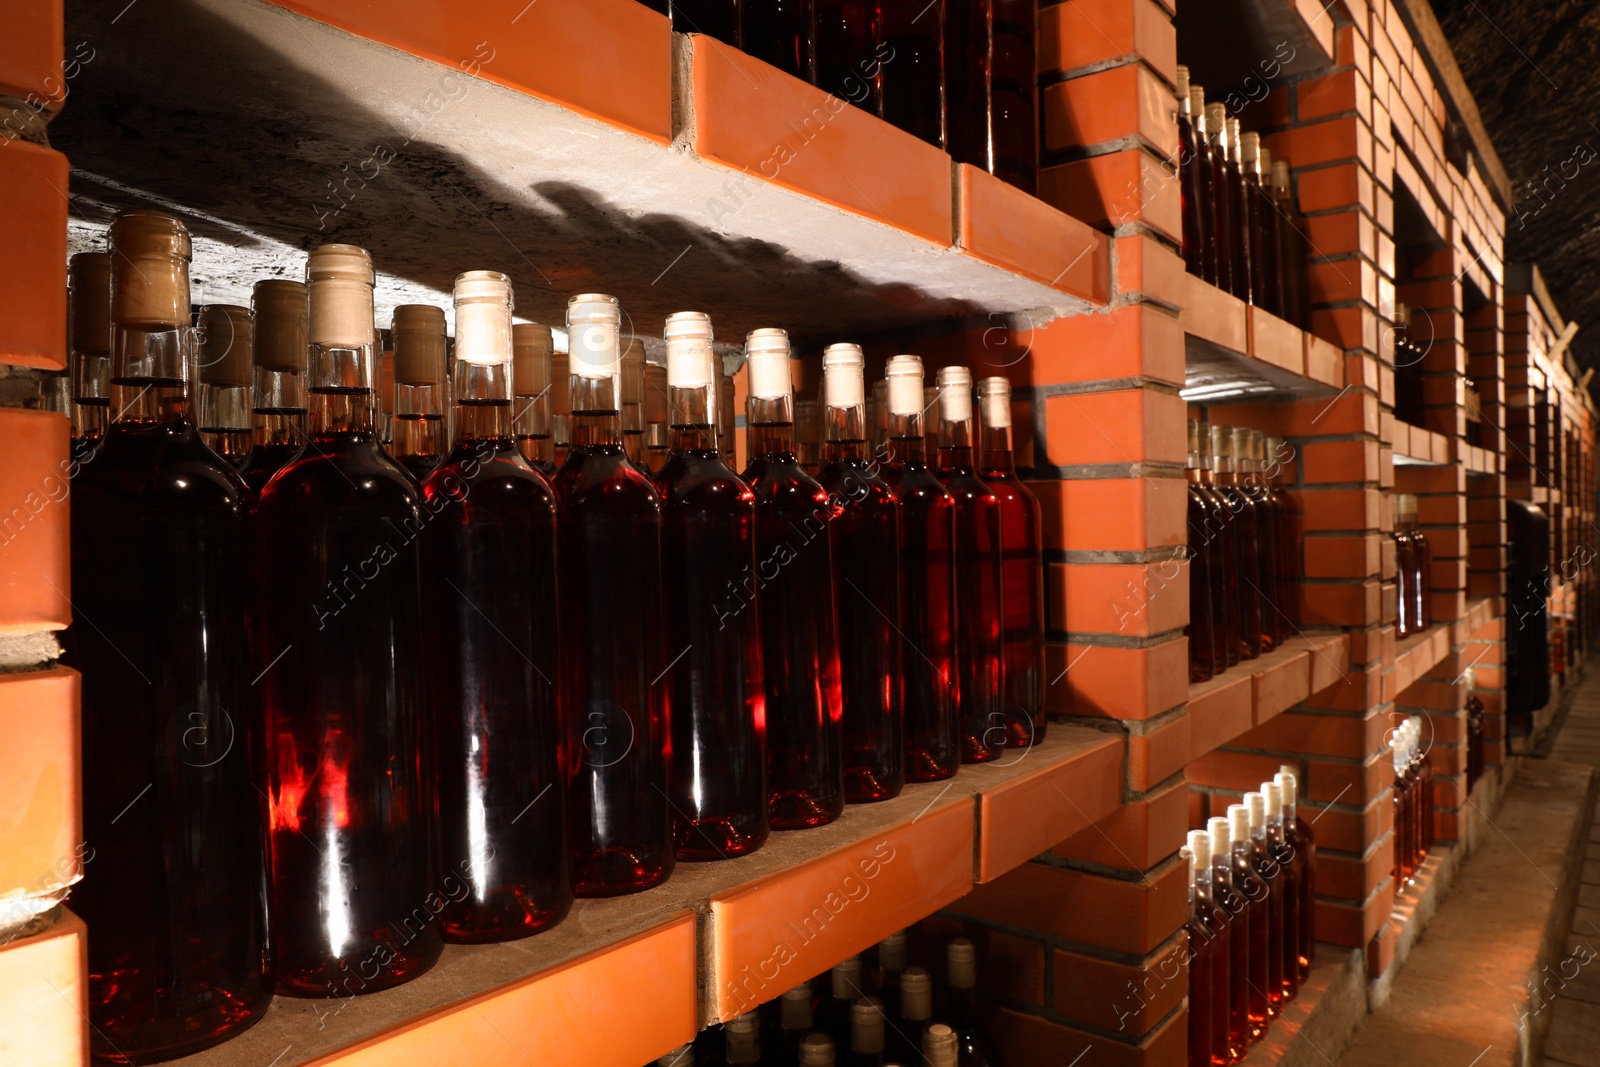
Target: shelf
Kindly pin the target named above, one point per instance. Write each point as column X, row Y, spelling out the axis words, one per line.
column 1244, row 697
column 1415, row 446
column 701, row 178
column 1418, row 654
column 1481, row 461
column 1479, row 613
column 716, row 938
column 1233, row 351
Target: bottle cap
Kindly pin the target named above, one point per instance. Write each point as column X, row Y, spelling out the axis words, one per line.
column 1258, row 810
column 995, row 397
column 903, row 383
column 816, row 1050
column 532, row 346
column 227, row 345
column 1183, row 83
column 1280, row 176
column 961, row 964
column 1274, row 799
column 419, row 344
column 150, row 269
column 1266, row 159
column 483, row 305
column 280, row 307
column 1197, row 109
column 847, row 979
column 1217, row 120
column 892, row 952
column 955, row 394
column 1241, row 445
column 1250, row 147
column 916, row 993
column 767, row 354
column 747, row 1023
column 690, row 361
column 1238, row 822
column 1235, row 149
column 1221, row 841
column 1200, row 845
column 866, row 1025
column 1222, row 442
column 939, row 1046
column 89, row 299
column 842, row 385
column 339, row 279
column 593, row 346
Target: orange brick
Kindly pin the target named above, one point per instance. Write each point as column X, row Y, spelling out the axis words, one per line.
column 1120, row 997
column 1124, row 915
column 1034, row 1039
column 1333, row 188
column 40, row 795
column 1338, row 509
column 1220, row 710
column 1238, row 771
column 1129, row 599
column 1109, row 105
column 1332, row 94
column 1113, row 514
column 31, row 63
column 1216, row 316
column 35, row 471
column 1351, row 783
column 1146, row 268
column 33, row 271
column 1002, row 225
column 1136, row 836
column 1130, row 342
column 1114, row 682
column 44, row 997
column 1117, row 189
column 1094, row 33
column 1285, row 683
column 1013, row 967
column 1123, row 426
column 1342, row 556
column 1350, row 924
column 1340, row 461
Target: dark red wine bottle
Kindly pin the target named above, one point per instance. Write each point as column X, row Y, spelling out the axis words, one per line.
column 927, row 584
column 1258, row 911
column 911, row 76
column 779, row 32
column 614, row 667
column 799, row 634
column 224, row 341
column 89, row 348
column 178, row 960
column 338, row 648
column 833, row 1012
column 1208, row 956
column 1021, row 570
column 1246, row 601
column 1244, row 268
column 1228, row 897
column 1264, row 291
column 980, row 656
column 532, row 349
column 708, row 557
column 489, row 593
column 1222, row 534
column 849, row 59
column 1265, row 863
column 1224, row 226
column 1303, row 844
column 278, row 412
column 989, row 88
column 1279, row 847
column 974, row 1045
column 1189, row 162
column 1204, row 184
column 1202, row 630
column 419, row 388
column 865, row 534
column 1294, row 256
column 716, row 18
column 1249, row 451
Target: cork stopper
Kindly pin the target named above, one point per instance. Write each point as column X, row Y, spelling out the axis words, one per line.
column 846, row 976
column 1200, row 845
column 961, row 964
column 866, row 1025
column 903, row 385
column 150, row 275
column 767, row 353
column 227, row 341
column 280, row 307
column 842, row 368
column 816, row 1050
column 593, row 347
column 419, row 344
column 633, row 370
column 955, row 394
column 1217, row 830
column 483, row 318
column 1239, row 822
column 994, row 396
column 939, row 1046
column 531, row 348
column 340, row 281
column 916, row 993
column 892, row 952
column 89, row 302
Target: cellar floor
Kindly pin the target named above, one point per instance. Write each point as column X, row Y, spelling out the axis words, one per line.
column 1495, row 975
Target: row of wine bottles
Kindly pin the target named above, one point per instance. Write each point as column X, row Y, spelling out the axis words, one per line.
column 1475, row 730
column 1243, row 549
column 859, row 1015
column 1241, row 230
column 1413, row 802
column 1413, row 559
column 1252, row 895
column 957, row 73
column 389, row 715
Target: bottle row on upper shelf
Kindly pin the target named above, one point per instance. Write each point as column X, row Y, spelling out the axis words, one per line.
column 1413, row 609
column 1241, row 229
column 1413, row 802
column 385, row 713
column 957, row 73
column 1243, row 549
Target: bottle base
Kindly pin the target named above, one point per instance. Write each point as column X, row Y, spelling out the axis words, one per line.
column 865, row 787
column 615, row 872
column 1023, row 730
column 708, row 840
column 802, row 811
column 126, row 1033
column 924, row 766
column 506, row 916
column 347, row 976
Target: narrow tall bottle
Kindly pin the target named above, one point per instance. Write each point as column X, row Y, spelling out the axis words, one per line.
column 799, row 635
column 989, row 88
column 1249, row 883
column 178, row 960
column 927, row 625
column 886, row 975
column 1249, row 449
column 1408, row 371
column 89, row 347
column 1221, row 535
column 657, row 434
column 911, row 89
column 633, row 401
column 1224, row 226
column 1245, row 527
column 225, row 342
column 1022, row 570
column 794, row 1022
column 351, row 827
column 1295, row 250
column 1239, row 215
column 1288, row 888
column 980, row 606
column 867, row 1026
column 974, row 1046
column 1403, row 846
column 531, row 370
column 278, row 411
column 1265, row 291
column 865, row 534
column 1475, row 728
column 615, row 668
column 1405, row 556
column 833, row 1012
column 708, row 553
column 560, row 405
column 779, row 32
column 1230, row 898
column 916, row 1015
column 1205, row 183
column 1304, row 845
column 1202, row 631
column 489, row 598
column 847, row 60
column 1421, row 566
column 420, row 434
column 1265, row 864
column 1189, row 163
column 1286, row 519
column 1208, row 966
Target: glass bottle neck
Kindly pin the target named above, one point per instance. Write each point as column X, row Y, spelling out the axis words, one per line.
column 530, row 422
column 596, row 419
column 771, row 426
column 693, row 418
column 955, row 444
column 149, row 373
column 483, row 401
column 907, row 443
column 341, row 398
column 844, row 432
column 996, row 444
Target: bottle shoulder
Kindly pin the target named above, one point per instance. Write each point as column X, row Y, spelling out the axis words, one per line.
column 480, row 473
column 604, row 476
column 168, row 463
column 341, row 471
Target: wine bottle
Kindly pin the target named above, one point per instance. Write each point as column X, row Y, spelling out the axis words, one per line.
column 1304, row 844
column 89, row 348
column 1239, row 215
column 1249, row 449
column 833, row 1013
column 794, row 1022
column 531, row 370
column 865, row 535
column 799, row 635
column 1249, row 883
column 1021, row 570
column 911, row 86
column 808, row 435
column 1246, row 544
column 1405, row 571
column 741, row 1041
column 1288, row 888
column 866, row 1033
column 1224, row 227
column 1286, row 520
column 1408, row 370
column 989, row 88
column 1208, row 965
column 225, row 343
column 779, row 32
column 1221, row 535
column 1204, row 185
column 657, row 437
column 847, row 60
column 489, row 594
column 1421, row 567
column 980, row 607
column 1271, row 235
column 1295, row 252
column 1259, row 210
column 1475, row 730
column 939, row 1048
column 1265, row 864
column 916, row 1014
column 817, row 1050
column 885, row 979
column 1189, row 163
column 419, row 388
column 614, row 667
column 338, row 648
column 560, row 405
column 278, row 412
column 178, row 960
column 927, row 563
column 633, row 401
column 1214, row 925
column 708, row 547
column 1228, row 896
column 727, row 423
column 1202, row 630
column 974, row 1047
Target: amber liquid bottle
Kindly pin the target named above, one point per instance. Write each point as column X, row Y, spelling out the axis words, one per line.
column 489, row 598
column 1303, row 845
column 1021, row 567
column 1286, row 519
column 779, row 32
column 980, row 607
column 89, row 348
column 531, row 371
column 657, row 434
column 1221, row 533
column 1254, row 889
column 223, row 345
column 1253, row 207
column 1405, row 555
column 1265, row 864
column 911, row 73
column 989, row 78
column 1208, row 963
column 1231, row 900
column 1421, row 564
column 1203, row 630
column 278, row 413
column 848, row 59
column 1189, row 162
column 1239, row 215
column 1245, row 527
column 865, row 534
column 710, row 581
column 1204, row 185
column 351, row 829
column 799, row 637
column 974, row 1046
column 178, row 959
column 1259, row 175
column 927, row 584
column 420, row 432
column 1287, row 887
column 1224, row 225
column 1249, row 449
column 615, row 669
column 1294, row 252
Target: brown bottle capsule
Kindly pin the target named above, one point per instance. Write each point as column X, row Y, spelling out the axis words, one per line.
column 633, row 371
column 150, row 279
column 560, row 385
column 227, row 344
column 280, row 339
column 89, row 300
column 531, row 350
column 419, row 345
